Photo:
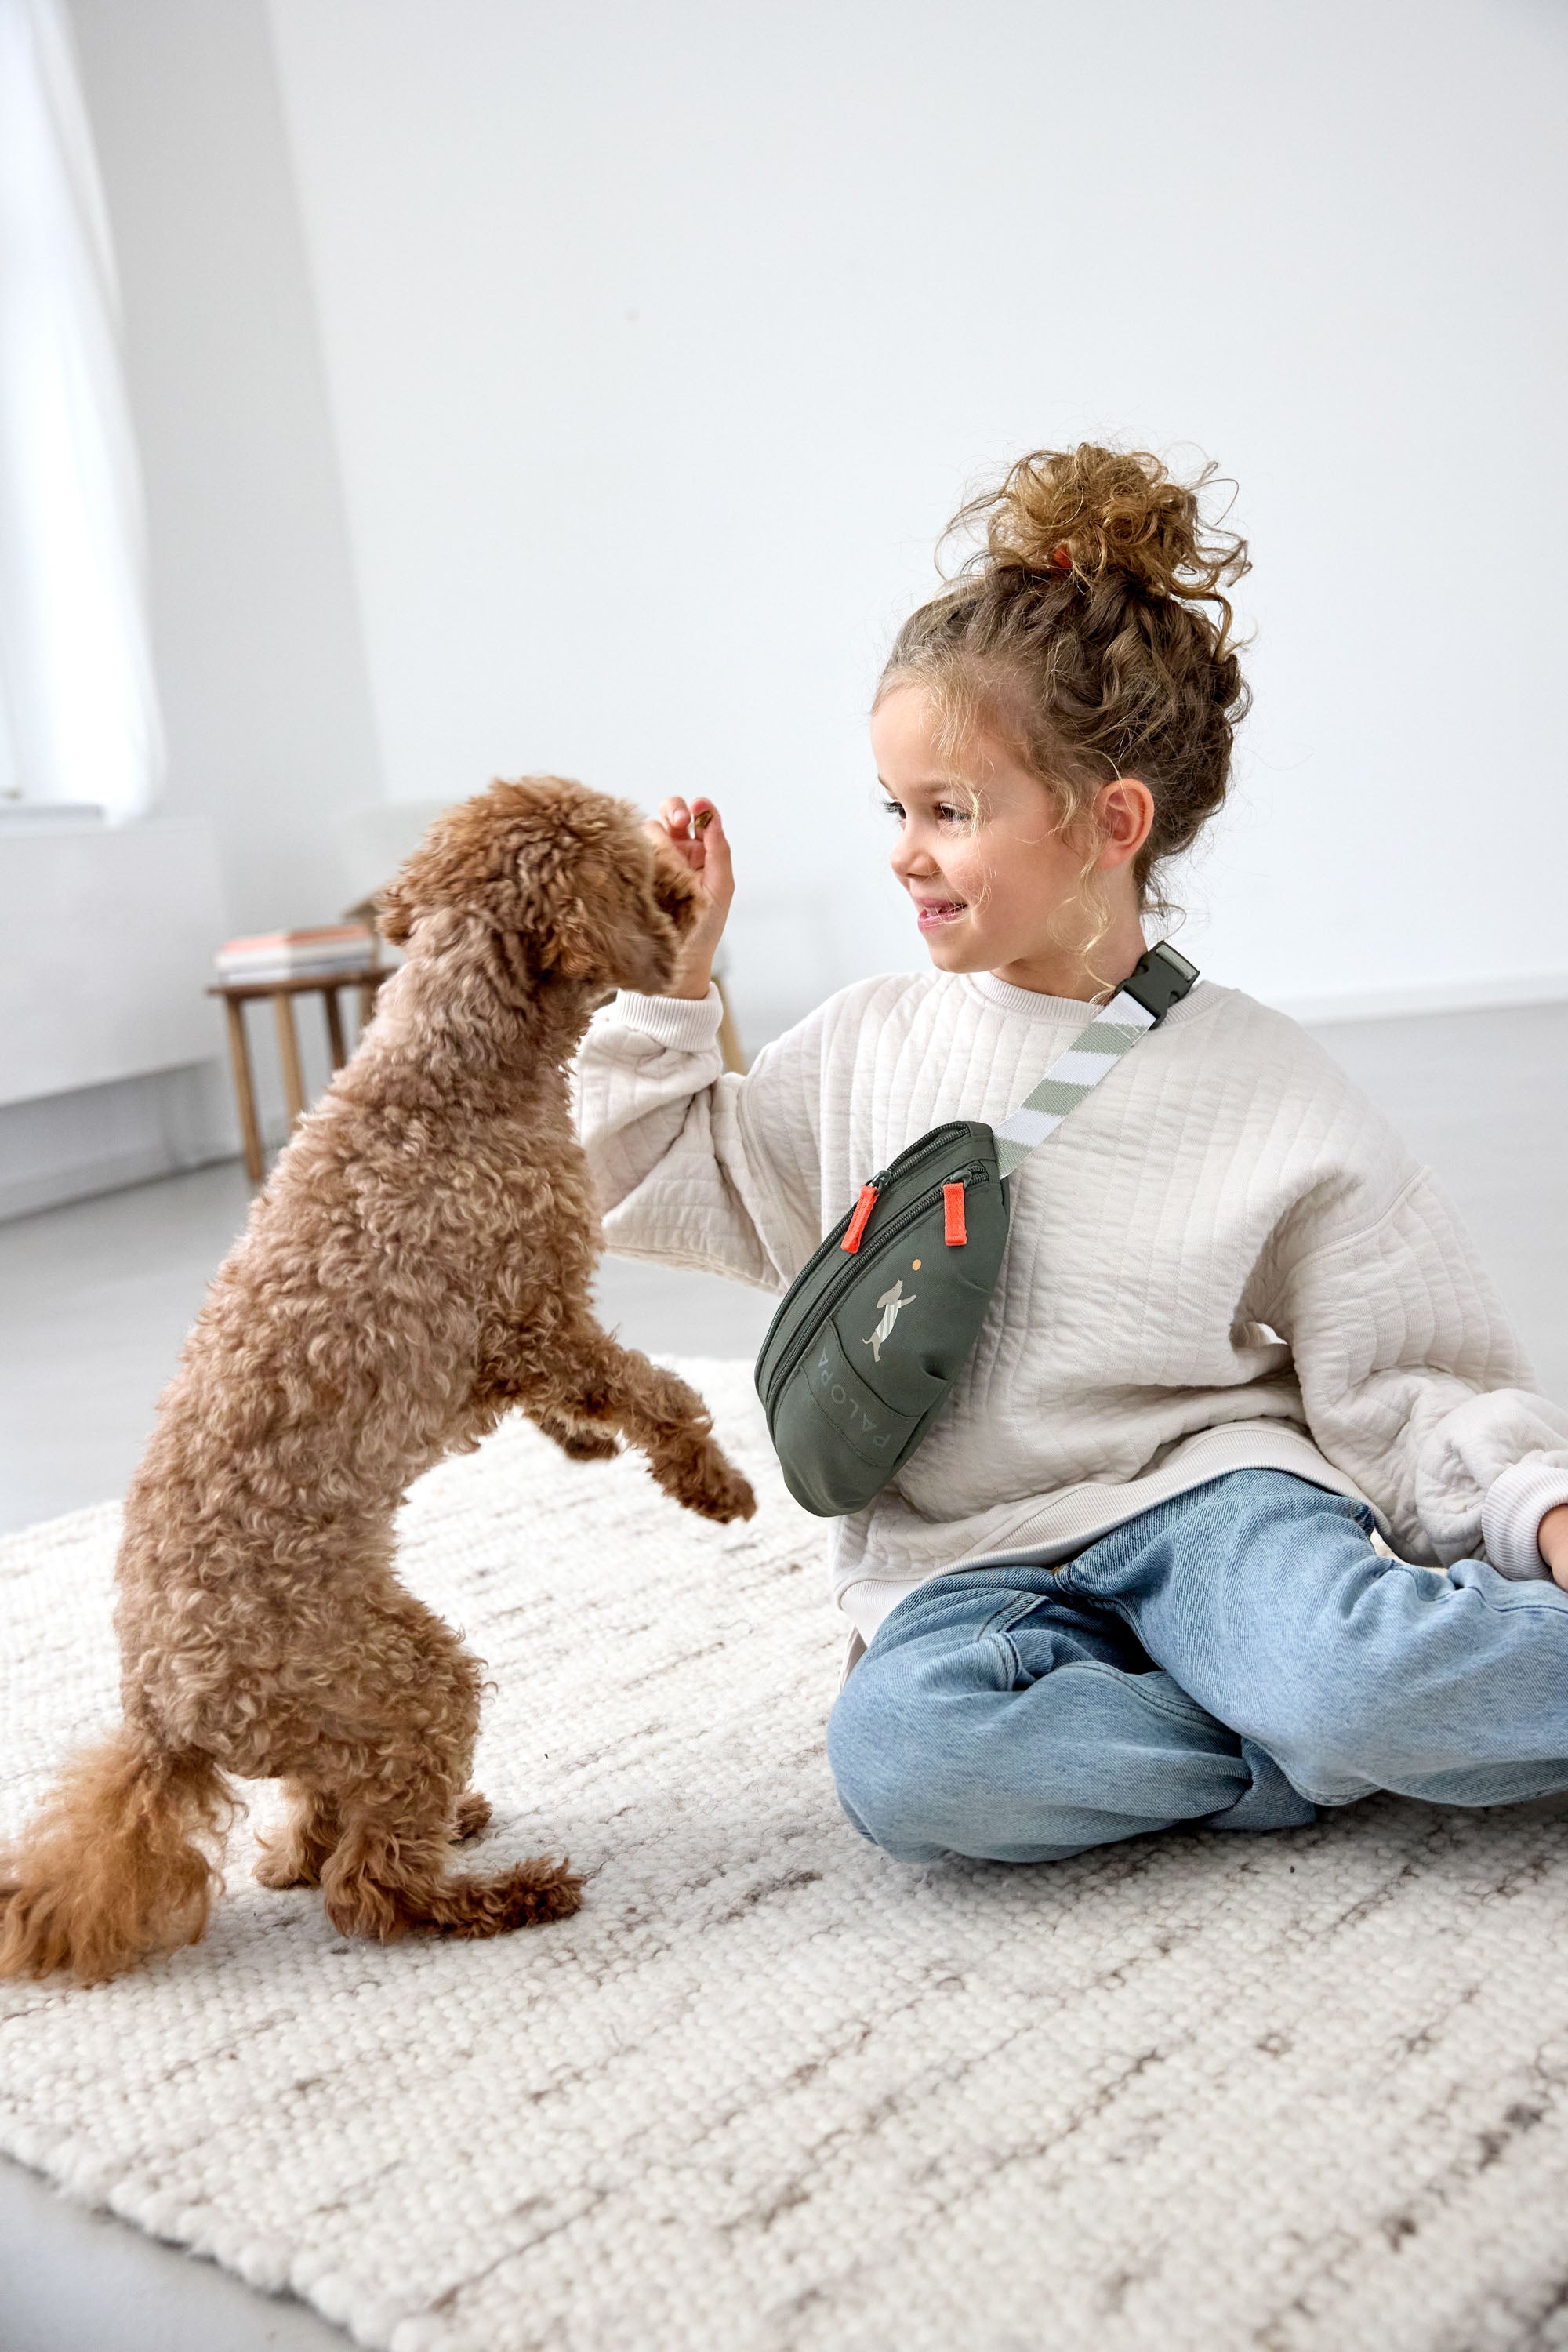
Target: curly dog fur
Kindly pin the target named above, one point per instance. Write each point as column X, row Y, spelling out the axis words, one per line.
column 419, row 1262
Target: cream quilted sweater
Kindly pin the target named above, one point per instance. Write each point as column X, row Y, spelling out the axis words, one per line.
column 1225, row 1184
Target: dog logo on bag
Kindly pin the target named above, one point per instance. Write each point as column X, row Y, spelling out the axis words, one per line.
column 892, row 1304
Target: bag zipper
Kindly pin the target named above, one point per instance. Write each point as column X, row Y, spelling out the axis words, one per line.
column 844, row 1278
column 833, row 1240
column 860, row 1215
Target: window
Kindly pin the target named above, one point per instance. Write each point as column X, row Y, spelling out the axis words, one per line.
column 78, row 716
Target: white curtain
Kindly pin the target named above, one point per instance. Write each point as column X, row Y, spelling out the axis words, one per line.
column 79, row 715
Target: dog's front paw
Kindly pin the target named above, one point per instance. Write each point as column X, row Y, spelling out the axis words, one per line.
column 582, row 1445
column 709, row 1485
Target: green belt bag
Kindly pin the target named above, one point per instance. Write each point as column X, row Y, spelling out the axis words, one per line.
column 878, row 1324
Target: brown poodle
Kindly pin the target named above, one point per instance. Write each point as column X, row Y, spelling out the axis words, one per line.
column 419, row 1261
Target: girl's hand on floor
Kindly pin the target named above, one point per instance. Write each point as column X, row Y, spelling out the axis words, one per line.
column 1551, row 1543
column 697, row 836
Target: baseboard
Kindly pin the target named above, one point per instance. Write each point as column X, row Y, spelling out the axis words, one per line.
column 67, row 1147
column 112, row 1173
column 1427, row 996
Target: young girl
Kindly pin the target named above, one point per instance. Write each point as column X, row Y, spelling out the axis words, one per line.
column 1139, row 1572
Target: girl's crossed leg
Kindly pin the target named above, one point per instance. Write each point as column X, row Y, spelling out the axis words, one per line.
column 1231, row 1659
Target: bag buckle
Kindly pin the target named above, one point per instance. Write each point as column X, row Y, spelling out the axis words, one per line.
column 1161, row 978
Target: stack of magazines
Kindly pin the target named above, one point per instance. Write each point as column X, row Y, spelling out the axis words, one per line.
column 293, row 955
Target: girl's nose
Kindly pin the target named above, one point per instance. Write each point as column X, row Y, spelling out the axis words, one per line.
column 912, row 861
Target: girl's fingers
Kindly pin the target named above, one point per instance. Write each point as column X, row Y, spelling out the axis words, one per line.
column 708, row 826
column 657, row 830
column 672, row 827
column 697, row 830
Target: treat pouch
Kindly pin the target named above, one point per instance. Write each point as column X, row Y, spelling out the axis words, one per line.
column 871, row 1335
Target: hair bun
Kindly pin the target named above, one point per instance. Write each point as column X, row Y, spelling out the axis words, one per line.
column 1098, row 512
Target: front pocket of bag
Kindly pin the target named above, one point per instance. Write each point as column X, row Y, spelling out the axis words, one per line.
column 896, row 1363
column 872, row 1429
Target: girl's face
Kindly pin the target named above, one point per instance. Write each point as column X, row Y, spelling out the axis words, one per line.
column 987, row 881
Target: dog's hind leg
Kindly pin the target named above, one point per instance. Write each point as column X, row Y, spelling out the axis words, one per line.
column 473, row 1815
column 390, row 1876
column 402, row 1792
column 296, row 1852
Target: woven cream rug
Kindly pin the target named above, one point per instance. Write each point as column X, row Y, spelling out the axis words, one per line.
column 770, row 2090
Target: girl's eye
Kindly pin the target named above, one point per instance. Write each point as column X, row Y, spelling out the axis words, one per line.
column 893, row 808
column 948, row 813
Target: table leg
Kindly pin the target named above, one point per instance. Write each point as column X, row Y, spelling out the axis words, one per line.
column 334, row 1027
column 243, row 1091
column 288, row 1055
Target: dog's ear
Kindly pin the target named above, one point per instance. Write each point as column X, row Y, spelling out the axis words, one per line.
column 575, row 932
column 463, row 862
column 617, row 914
column 395, row 913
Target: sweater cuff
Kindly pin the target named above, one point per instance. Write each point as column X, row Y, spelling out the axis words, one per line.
column 1517, row 1501
column 687, row 1024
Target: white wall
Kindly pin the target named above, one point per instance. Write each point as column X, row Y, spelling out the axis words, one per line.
column 256, row 626
column 256, row 642
column 108, row 936
column 661, row 341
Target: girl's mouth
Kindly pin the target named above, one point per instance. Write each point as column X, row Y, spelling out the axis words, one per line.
column 934, row 913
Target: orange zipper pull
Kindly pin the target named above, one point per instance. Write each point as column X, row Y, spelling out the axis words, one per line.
column 861, row 1218
column 954, row 1231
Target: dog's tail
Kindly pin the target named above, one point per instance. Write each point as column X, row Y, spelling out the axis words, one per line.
column 120, row 1861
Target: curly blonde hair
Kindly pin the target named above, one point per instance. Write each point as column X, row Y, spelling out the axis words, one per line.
column 1092, row 635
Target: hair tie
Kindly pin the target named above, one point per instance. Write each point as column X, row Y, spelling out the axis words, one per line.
column 1061, row 558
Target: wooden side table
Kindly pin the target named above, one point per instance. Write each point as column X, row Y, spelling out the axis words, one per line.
column 237, row 994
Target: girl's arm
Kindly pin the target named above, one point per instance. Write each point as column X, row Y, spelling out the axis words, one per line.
column 1415, row 1381
column 693, row 1164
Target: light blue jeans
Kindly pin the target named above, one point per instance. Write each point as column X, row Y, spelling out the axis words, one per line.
column 1231, row 1659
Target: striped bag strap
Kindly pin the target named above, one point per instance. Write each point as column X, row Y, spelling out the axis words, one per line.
column 1159, row 980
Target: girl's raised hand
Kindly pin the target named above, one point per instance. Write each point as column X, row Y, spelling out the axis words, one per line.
column 696, row 836
column 1551, row 1543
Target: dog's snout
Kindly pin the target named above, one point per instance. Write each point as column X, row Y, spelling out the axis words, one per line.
column 674, row 890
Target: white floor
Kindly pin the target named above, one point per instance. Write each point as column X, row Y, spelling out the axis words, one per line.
column 94, row 1299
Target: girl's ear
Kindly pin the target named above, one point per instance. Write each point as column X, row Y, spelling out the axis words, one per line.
column 1126, row 814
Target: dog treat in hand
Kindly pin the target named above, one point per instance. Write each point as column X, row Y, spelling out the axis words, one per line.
column 374, row 1319
column 702, row 820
